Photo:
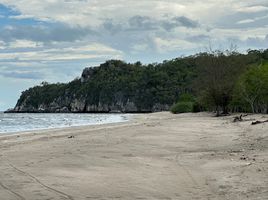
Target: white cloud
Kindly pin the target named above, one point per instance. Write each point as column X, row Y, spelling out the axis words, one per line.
column 21, row 17
column 252, row 9
column 245, row 21
column 2, row 45
column 92, row 13
column 91, row 51
column 24, row 44
column 154, row 25
column 222, row 34
column 169, row 45
column 254, row 19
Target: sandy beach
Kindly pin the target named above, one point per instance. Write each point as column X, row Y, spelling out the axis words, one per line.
column 153, row 156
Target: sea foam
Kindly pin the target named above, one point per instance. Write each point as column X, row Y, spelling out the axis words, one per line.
column 18, row 122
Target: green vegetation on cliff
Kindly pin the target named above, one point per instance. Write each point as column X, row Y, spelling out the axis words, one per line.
column 219, row 81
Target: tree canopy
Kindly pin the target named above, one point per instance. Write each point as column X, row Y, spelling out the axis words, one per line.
column 220, row 81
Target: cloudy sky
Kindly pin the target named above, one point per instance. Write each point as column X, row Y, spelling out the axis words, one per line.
column 54, row 40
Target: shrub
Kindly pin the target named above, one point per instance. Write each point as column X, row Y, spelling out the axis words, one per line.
column 186, row 97
column 197, row 107
column 182, row 107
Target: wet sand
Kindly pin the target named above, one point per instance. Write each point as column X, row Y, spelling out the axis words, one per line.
column 153, row 156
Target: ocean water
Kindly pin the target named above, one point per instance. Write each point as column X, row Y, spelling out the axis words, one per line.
column 17, row 122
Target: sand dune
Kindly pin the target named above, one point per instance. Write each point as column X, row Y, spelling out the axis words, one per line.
column 154, row 156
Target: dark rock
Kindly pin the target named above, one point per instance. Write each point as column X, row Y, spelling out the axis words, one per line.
column 87, row 74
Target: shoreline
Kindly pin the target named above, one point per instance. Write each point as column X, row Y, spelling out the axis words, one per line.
column 64, row 130
column 54, row 129
column 125, row 118
column 152, row 156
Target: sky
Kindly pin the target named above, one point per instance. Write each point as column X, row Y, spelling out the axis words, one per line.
column 53, row 40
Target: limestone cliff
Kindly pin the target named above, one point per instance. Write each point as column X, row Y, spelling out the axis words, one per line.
column 114, row 86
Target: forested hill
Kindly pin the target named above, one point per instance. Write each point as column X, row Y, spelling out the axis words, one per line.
column 218, row 80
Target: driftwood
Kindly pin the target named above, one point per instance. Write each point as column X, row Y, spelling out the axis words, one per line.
column 239, row 118
column 258, row 122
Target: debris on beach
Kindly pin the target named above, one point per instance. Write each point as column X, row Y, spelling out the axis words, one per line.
column 258, row 122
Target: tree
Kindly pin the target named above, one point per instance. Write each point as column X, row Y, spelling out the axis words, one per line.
column 218, row 72
column 252, row 88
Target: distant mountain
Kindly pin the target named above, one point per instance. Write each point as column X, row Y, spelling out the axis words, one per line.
column 116, row 86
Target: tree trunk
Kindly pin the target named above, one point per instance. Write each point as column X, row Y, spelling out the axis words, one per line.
column 252, row 107
column 225, row 110
column 217, row 111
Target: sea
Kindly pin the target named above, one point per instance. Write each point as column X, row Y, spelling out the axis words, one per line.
column 20, row 122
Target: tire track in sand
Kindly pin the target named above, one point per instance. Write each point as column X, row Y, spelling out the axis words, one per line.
column 66, row 196
column 12, row 192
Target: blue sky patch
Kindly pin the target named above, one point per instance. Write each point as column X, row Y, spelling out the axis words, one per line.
column 8, row 17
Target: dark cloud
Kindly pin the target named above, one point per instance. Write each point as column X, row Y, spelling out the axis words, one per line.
column 142, row 23
column 257, row 42
column 181, row 21
column 186, row 22
column 40, row 33
column 112, row 27
column 146, row 23
column 135, row 23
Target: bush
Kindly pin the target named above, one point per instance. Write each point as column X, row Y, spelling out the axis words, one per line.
column 186, row 97
column 251, row 90
column 197, row 107
column 182, row 107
